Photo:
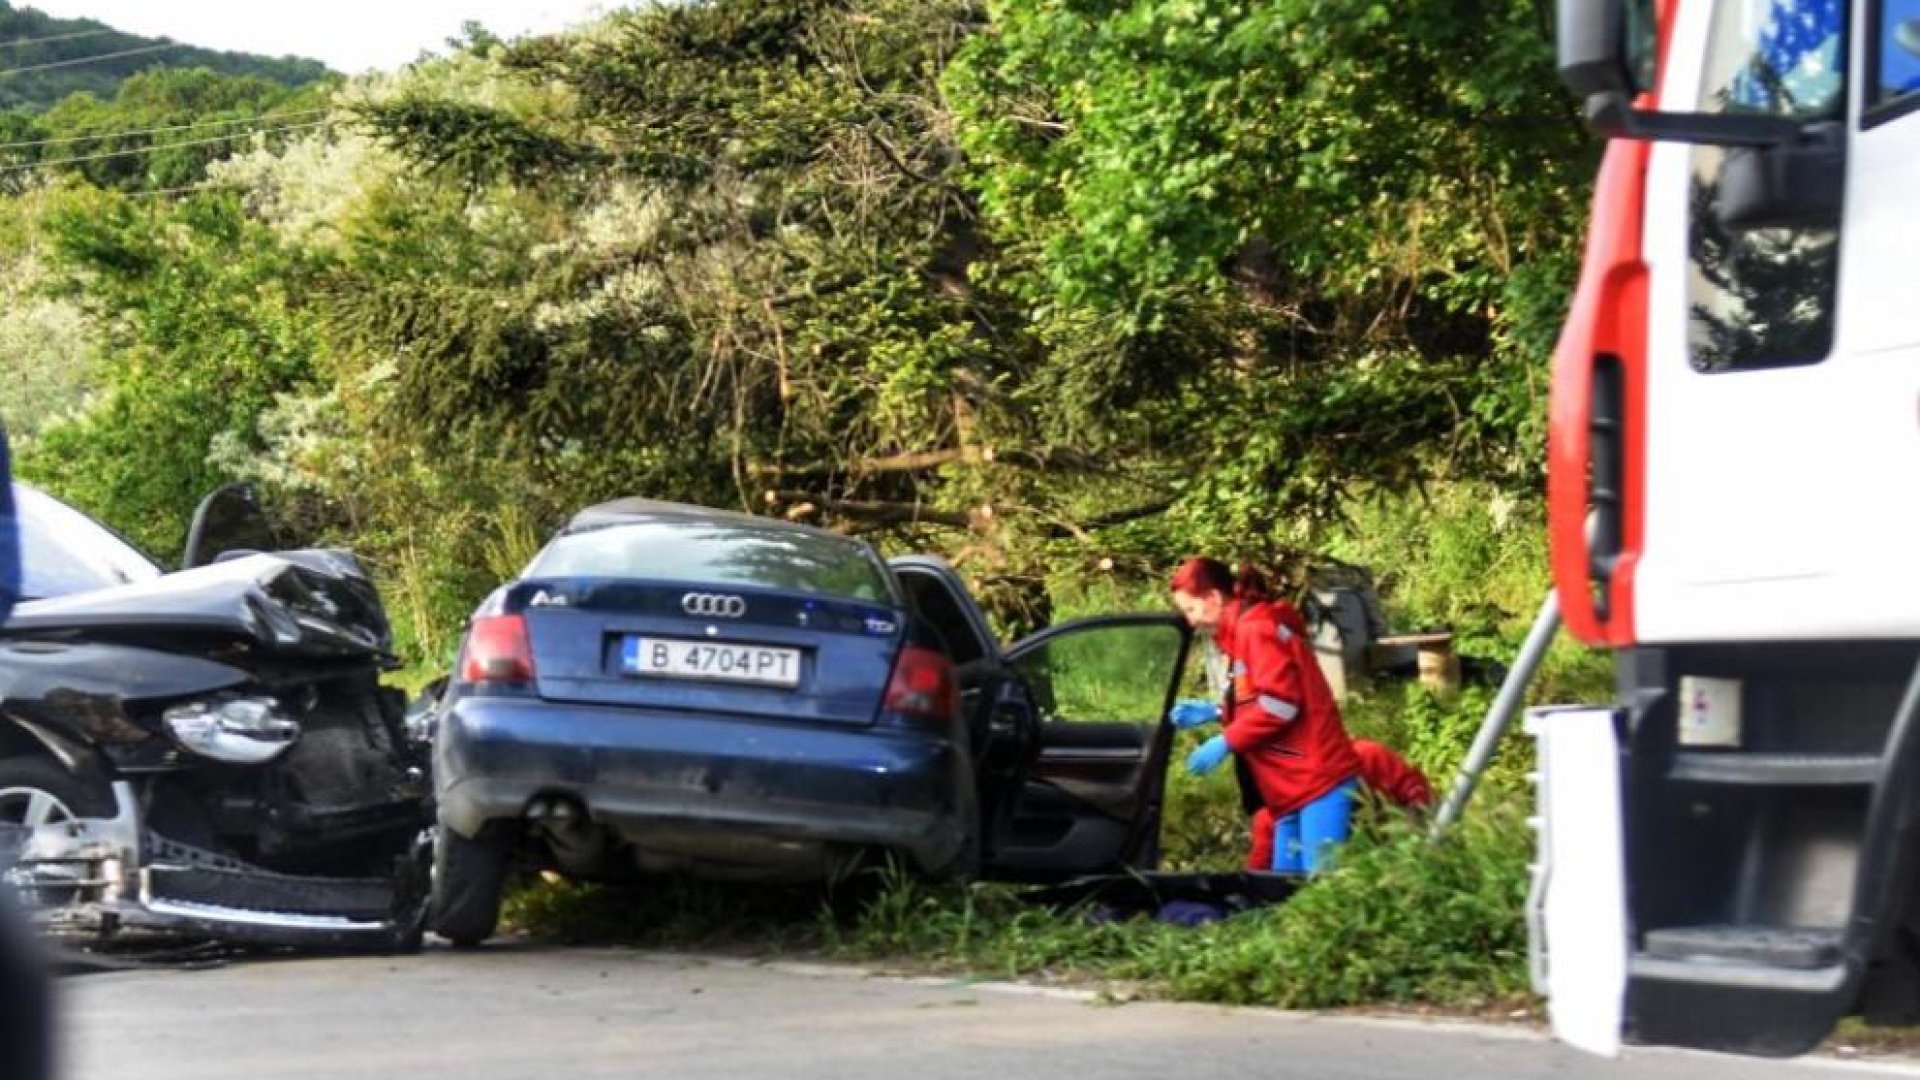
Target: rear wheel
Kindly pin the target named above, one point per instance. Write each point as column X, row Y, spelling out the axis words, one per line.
column 468, row 878
column 964, row 866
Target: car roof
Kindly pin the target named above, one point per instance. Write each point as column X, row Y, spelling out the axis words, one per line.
column 634, row 511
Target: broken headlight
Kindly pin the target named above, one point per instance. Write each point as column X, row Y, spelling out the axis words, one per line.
column 242, row 730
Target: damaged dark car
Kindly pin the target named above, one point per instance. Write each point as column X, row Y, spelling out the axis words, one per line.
column 207, row 752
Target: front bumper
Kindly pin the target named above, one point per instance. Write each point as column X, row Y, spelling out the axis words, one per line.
column 735, row 789
column 95, row 877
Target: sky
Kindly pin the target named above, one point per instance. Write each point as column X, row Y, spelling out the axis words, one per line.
column 351, row 36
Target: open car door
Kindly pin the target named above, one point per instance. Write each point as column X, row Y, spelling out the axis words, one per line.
column 1068, row 727
column 1091, row 796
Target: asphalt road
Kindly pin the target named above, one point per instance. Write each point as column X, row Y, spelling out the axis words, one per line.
column 534, row 1012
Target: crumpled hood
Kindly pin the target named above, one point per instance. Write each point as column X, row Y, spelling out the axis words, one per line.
column 314, row 602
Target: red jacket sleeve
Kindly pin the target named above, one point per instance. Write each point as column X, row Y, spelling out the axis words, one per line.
column 1268, row 694
column 1389, row 774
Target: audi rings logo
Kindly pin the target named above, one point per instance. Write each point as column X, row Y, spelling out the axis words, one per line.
column 713, row 605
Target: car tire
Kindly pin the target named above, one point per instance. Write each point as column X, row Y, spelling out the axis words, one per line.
column 964, row 867
column 469, row 876
column 63, row 795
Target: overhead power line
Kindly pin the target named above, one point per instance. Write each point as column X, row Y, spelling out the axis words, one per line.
column 78, row 60
column 77, row 35
column 189, row 189
column 105, row 135
column 157, row 147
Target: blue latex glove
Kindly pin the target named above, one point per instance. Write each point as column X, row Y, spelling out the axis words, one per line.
column 1193, row 713
column 1208, row 755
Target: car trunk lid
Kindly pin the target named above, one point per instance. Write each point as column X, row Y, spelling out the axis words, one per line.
column 722, row 649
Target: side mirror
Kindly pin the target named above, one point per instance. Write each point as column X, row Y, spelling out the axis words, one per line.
column 229, row 520
column 1593, row 39
column 1606, row 51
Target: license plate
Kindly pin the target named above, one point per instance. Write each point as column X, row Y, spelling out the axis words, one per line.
column 719, row 661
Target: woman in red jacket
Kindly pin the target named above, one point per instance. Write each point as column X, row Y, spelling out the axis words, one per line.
column 1279, row 716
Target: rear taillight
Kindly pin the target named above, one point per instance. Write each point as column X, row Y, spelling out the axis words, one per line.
column 498, row 651
column 922, row 684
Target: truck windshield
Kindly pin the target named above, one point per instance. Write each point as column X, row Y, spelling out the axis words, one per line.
column 1778, row 57
column 1761, row 298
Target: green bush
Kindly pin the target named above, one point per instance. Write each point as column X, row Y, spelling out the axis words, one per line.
column 1396, row 920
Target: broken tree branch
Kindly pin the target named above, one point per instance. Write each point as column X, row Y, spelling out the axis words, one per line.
column 1045, row 459
column 894, row 463
column 870, row 512
column 1101, row 521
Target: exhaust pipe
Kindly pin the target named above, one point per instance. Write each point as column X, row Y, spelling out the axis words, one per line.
column 556, row 811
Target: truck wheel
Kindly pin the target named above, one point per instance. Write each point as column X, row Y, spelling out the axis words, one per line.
column 468, row 877
column 38, row 791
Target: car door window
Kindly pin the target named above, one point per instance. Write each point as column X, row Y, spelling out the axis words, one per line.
column 933, row 600
column 1105, row 674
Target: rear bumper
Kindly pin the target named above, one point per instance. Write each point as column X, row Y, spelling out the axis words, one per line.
column 723, row 785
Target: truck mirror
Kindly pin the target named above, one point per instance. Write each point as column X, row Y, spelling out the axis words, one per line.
column 1606, row 52
column 1590, row 39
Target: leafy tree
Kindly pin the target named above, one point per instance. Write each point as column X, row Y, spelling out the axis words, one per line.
column 1041, row 283
column 203, row 327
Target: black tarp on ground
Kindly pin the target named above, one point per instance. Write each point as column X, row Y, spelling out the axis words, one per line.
column 1177, row 898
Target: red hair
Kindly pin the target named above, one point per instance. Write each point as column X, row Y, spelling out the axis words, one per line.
column 1198, row 577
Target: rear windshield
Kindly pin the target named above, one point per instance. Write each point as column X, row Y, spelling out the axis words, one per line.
column 719, row 553
column 63, row 551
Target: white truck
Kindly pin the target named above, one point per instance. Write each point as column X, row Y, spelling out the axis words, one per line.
column 1731, row 851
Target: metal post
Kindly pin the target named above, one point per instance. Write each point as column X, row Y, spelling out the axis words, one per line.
column 1506, row 705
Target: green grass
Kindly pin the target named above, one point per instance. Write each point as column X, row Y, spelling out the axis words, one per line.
column 1398, row 920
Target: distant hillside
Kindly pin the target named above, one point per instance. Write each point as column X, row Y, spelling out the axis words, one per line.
column 30, row 38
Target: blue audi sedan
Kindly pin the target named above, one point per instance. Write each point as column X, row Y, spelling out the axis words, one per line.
column 675, row 689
